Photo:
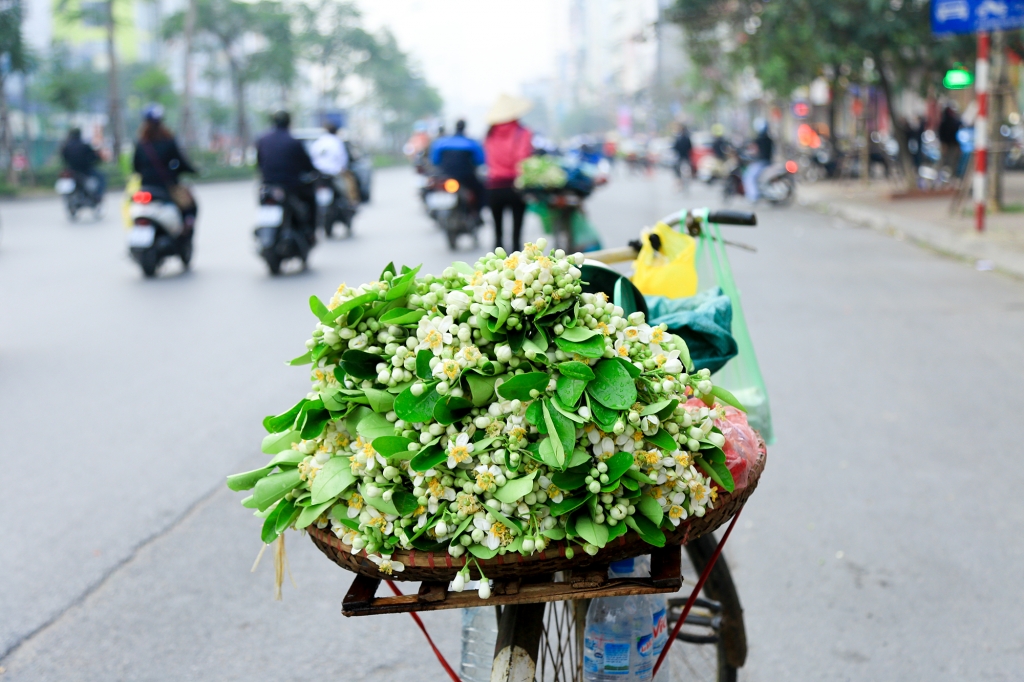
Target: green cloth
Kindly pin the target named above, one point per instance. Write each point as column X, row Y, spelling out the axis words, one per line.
column 703, row 321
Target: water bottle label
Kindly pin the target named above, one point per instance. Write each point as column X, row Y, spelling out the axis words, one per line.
column 616, row 658
column 660, row 630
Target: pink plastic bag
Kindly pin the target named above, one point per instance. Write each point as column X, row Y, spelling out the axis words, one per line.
column 741, row 445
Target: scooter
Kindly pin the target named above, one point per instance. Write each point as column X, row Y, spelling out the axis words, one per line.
column 285, row 228
column 776, row 183
column 450, row 204
column 333, row 206
column 158, row 231
column 79, row 191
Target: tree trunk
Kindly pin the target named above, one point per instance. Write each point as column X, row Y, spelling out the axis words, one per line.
column 997, row 146
column 902, row 134
column 241, row 123
column 188, row 132
column 113, row 99
column 6, row 139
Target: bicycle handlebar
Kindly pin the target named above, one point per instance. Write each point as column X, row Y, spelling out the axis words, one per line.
column 747, row 218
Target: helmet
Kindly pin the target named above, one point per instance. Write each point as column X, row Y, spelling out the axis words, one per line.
column 760, row 125
column 153, row 112
column 718, row 130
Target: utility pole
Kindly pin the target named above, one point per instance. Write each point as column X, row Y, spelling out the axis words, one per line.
column 114, row 100
column 981, row 131
column 999, row 89
column 187, row 125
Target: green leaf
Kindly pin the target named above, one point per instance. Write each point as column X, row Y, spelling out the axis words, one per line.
column 629, row 483
column 591, row 348
column 727, row 398
column 481, row 552
column 311, row 513
column 275, row 486
column 578, row 334
column 423, row 364
column 319, row 351
column 718, row 472
column 463, row 268
column 618, row 464
column 655, row 408
column 332, row 480
column 451, row 409
column 533, row 346
column 415, row 409
column 515, row 489
column 400, row 286
column 480, row 387
column 569, row 389
column 516, row 337
column 315, row 420
column 594, row 533
column 663, row 439
column 269, row 532
column 319, row 309
column 566, row 412
column 428, row 458
column 379, row 503
column 495, row 322
column 641, row 477
column 380, row 401
column 247, row 479
column 555, row 437
column 334, row 399
column 555, row 533
column 345, row 307
column 278, row 442
column 569, row 480
column 519, row 386
column 404, row 502
column 634, row 371
column 565, row 429
column 285, row 420
column 647, row 531
column 304, row 359
column 360, row 364
column 613, row 387
column 576, row 370
column 535, row 415
column 390, row 267
column 617, row 530
column 546, row 452
column 569, row 504
column 389, row 446
column 579, row 456
column 286, row 458
column 604, row 417
column 400, row 316
column 649, row 507
column 249, row 502
column 374, row 426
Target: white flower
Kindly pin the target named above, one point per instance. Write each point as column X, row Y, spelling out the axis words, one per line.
column 459, row 584
column 435, row 333
column 676, row 514
column 447, row 370
column 649, row 424
column 459, row 450
column 485, row 293
column 669, row 361
column 359, row 342
column 457, row 302
column 503, row 352
column 516, row 287
column 486, row 476
column 355, row 505
column 485, row 589
column 550, row 489
column 621, row 348
column 386, row 565
column 468, row 356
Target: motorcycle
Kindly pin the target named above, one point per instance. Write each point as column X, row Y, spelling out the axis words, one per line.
column 158, row 230
column 451, row 205
column 79, row 191
column 776, row 183
column 332, row 205
column 284, row 227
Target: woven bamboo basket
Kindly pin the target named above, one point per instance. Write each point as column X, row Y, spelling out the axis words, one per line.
column 441, row 566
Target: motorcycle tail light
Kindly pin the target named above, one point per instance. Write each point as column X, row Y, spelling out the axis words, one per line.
column 791, row 166
column 451, row 185
column 142, row 197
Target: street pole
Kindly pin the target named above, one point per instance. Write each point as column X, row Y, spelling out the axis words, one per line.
column 981, row 131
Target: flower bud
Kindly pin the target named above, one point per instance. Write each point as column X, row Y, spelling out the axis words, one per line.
column 485, row 589
column 459, row 584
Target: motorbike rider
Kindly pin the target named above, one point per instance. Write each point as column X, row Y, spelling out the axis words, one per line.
column 82, row 159
column 765, row 149
column 458, row 156
column 682, row 145
column 160, row 162
column 284, row 161
column 330, row 157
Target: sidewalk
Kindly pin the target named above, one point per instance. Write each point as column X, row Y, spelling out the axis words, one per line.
column 928, row 221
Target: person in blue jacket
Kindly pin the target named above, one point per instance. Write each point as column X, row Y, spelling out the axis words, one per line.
column 458, row 156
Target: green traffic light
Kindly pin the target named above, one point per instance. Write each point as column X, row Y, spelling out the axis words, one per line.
column 958, row 79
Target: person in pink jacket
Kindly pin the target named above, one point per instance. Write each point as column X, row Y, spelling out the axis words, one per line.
column 506, row 145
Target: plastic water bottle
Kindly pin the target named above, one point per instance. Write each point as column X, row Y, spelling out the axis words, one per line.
column 618, row 643
column 659, row 619
column 479, row 636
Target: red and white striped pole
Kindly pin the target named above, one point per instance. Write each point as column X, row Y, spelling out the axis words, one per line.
column 981, row 131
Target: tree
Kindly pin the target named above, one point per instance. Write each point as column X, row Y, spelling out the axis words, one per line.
column 331, row 38
column 234, row 28
column 101, row 13
column 153, row 84
column 63, row 85
column 15, row 57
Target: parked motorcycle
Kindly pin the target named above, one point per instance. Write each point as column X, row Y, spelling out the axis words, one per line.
column 158, row 231
column 333, row 206
column 79, row 191
column 776, row 183
column 285, row 227
column 451, row 205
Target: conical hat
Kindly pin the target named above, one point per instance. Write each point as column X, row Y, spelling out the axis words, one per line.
column 508, row 108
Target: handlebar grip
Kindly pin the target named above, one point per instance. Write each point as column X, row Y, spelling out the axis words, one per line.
column 733, row 218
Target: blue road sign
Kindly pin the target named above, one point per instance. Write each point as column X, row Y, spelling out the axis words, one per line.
column 972, row 16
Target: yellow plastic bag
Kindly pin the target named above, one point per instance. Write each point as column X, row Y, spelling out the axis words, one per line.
column 669, row 271
column 133, row 185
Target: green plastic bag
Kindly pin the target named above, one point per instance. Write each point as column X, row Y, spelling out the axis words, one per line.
column 742, row 374
column 584, row 236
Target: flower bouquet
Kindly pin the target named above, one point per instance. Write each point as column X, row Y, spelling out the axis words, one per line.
column 498, row 418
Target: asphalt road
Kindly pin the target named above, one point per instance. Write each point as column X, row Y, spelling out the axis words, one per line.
column 884, row 542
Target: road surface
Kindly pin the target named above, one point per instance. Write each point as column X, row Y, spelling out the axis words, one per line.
column 883, row 543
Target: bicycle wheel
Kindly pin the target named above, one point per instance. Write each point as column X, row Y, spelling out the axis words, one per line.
column 710, row 647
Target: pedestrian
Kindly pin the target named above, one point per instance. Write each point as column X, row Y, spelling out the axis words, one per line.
column 765, row 150
column 160, row 162
column 507, row 144
column 949, row 126
column 683, row 147
column 915, row 141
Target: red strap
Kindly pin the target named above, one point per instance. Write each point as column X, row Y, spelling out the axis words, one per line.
column 693, row 595
column 437, row 652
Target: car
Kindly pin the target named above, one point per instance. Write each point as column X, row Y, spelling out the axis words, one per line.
column 952, row 9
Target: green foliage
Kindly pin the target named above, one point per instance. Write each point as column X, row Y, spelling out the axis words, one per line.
column 64, row 85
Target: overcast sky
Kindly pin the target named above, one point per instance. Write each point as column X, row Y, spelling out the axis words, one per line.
column 473, row 50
